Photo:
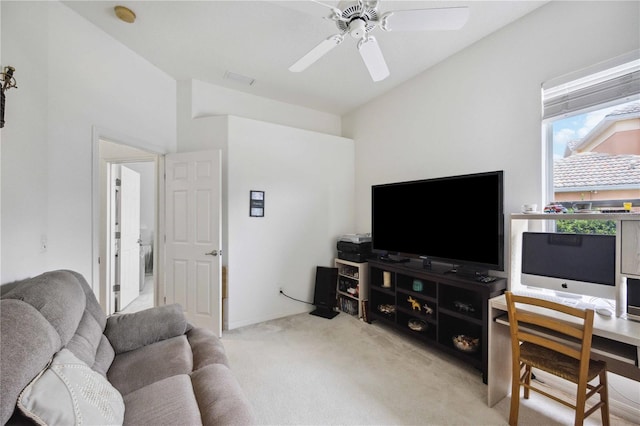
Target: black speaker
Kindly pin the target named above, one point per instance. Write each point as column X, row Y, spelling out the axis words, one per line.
column 324, row 296
column 633, row 298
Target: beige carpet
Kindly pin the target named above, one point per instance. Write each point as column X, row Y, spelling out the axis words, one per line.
column 306, row 370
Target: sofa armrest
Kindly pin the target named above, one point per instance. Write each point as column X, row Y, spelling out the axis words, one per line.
column 127, row 332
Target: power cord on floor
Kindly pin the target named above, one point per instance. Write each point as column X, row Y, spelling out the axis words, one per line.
column 293, row 298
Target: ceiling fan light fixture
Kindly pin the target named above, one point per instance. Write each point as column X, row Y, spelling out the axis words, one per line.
column 125, row 14
column 357, row 28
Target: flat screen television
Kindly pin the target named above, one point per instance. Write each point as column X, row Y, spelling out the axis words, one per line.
column 580, row 264
column 456, row 220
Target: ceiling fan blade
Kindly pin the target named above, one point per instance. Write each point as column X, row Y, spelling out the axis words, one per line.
column 447, row 18
column 316, row 53
column 333, row 8
column 336, row 14
column 373, row 59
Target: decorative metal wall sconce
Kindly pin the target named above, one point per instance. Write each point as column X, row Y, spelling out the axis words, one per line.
column 8, row 81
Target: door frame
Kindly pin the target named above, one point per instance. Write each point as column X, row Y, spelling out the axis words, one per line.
column 133, row 151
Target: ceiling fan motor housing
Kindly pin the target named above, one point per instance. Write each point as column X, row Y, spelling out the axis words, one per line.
column 358, row 21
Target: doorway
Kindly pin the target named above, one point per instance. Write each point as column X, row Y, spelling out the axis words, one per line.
column 129, row 223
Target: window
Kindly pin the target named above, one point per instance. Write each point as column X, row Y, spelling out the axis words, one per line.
column 591, row 128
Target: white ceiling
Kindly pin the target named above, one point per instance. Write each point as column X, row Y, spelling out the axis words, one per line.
column 260, row 39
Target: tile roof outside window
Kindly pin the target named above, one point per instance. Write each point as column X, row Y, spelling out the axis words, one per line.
column 581, row 171
column 598, row 170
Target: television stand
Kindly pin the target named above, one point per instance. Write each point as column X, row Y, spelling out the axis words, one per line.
column 434, row 307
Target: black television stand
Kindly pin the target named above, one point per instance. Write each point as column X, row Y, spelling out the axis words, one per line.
column 434, row 307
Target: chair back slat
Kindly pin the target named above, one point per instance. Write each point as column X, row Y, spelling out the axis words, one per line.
column 573, row 330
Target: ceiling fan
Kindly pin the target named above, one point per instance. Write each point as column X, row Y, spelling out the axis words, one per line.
column 358, row 18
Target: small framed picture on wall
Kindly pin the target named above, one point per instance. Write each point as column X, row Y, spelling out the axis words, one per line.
column 256, row 203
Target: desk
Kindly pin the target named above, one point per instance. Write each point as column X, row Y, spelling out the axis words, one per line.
column 615, row 340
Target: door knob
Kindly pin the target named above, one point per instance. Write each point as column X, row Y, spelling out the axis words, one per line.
column 213, row 253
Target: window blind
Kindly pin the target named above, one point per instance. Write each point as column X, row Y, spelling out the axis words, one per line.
column 616, row 83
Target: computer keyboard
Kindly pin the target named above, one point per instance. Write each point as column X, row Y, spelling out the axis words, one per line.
column 567, row 301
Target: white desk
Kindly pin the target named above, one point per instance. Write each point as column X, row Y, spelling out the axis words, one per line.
column 616, row 341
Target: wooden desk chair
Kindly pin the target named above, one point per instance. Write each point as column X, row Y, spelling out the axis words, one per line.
column 570, row 362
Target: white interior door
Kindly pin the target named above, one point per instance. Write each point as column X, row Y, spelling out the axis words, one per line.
column 193, row 236
column 129, row 253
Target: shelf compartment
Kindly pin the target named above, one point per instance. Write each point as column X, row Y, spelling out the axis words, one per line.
column 419, row 306
column 420, row 286
column 348, row 286
column 461, row 316
column 384, row 299
column 432, row 318
column 389, row 320
column 403, row 319
column 465, row 302
column 348, row 271
column 378, row 277
column 451, row 326
column 381, row 290
column 348, row 305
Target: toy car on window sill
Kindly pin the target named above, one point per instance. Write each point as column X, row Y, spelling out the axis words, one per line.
column 555, row 208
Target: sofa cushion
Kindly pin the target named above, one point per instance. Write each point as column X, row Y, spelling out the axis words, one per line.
column 127, row 332
column 135, row 369
column 104, row 356
column 206, row 347
column 56, row 296
column 170, row 401
column 92, row 305
column 28, row 343
column 65, row 299
column 88, row 336
column 69, row 392
column 220, row 398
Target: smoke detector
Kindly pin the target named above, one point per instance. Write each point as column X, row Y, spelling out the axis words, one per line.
column 125, row 14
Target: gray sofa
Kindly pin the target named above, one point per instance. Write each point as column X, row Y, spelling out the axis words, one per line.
column 63, row 361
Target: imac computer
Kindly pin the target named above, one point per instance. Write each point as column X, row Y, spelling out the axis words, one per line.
column 572, row 265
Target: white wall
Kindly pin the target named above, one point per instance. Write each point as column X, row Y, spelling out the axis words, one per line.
column 308, row 182
column 24, row 148
column 71, row 77
column 480, row 110
column 209, row 99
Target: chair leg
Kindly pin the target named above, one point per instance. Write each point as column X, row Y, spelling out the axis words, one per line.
column 604, row 397
column 581, row 398
column 527, row 380
column 515, row 396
